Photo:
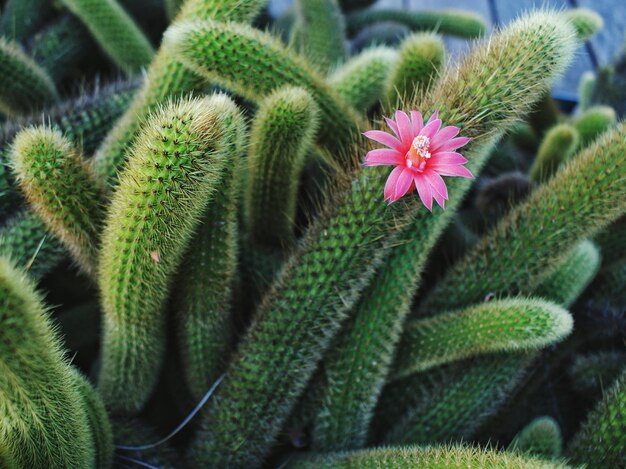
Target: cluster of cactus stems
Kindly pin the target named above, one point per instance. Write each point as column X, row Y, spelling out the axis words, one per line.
column 212, row 239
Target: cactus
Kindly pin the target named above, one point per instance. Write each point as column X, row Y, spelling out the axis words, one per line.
column 428, row 457
column 26, row 239
column 571, row 275
column 218, row 52
column 130, row 432
column 166, row 77
column 611, row 240
column 497, row 196
column 319, row 33
column 558, row 145
column 385, row 33
column 421, row 57
column 452, row 22
column 361, row 80
column 366, row 346
column 208, row 271
column 601, row 442
column 43, row 422
column 508, row 325
column 173, row 170
column 593, row 122
column 172, row 7
column 585, row 90
column 282, row 132
column 610, row 286
column 593, row 372
column 114, row 31
column 541, row 437
column 56, row 182
column 24, row 86
column 21, row 18
column 586, row 22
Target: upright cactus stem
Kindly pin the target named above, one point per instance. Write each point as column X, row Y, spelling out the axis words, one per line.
column 558, row 145
column 115, row 31
column 56, row 182
column 254, row 64
column 320, row 33
column 361, row 80
column 282, row 132
column 586, row 22
column 24, row 86
column 541, row 437
column 593, row 122
column 497, row 326
column 171, row 175
column 421, row 57
column 43, row 421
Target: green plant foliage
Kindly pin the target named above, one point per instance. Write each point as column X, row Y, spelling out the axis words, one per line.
column 601, row 442
column 319, row 33
column 150, row 221
column 361, row 80
column 427, row 457
column 585, row 90
column 24, row 86
column 452, row 22
column 558, row 145
column 21, row 18
column 593, row 122
column 508, row 325
column 43, row 421
column 421, row 57
column 56, row 182
column 541, row 437
column 586, row 22
column 282, row 132
column 114, row 31
column 593, row 372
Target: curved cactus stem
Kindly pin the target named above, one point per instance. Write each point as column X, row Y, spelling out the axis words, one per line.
column 541, row 437
column 558, row 145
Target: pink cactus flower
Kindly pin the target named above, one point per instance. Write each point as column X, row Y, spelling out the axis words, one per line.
column 421, row 154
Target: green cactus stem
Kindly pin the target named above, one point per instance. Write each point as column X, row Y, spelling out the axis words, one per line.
column 24, row 86
column 593, row 122
column 254, row 64
column 508, row 325
column 451, row 22
column 209, row 268
column 572, row 274
column 321, row 282
column 115, row 31
column 172, row 173
column 360, row 361
column 585, row 90
column 593, row 372
column 586, row 22
column 361, row 80
column 558, row 145
column 43, row 422
column 612, row 241
column 282, row 132
column 166, row 77
column 421, row 57
column 541, row 437
column 601, row 442
column 56, row 182
column 426, row 457
column 319, row 33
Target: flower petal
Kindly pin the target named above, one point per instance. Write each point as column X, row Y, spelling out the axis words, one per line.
column 383, row 156
column 443, row 136
column 418, row 122
column 446, row 158
column 436, row 183
column 404, row 126
column 454, row 170
column 435, row 115
column 424, row 191
column 390, row 185
column 440, row 200
column 404, row 183
column 431, row 129
column 384, row 138
column 393, row 126
column 453, row 144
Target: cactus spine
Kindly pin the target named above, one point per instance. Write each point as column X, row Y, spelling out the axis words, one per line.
column 349, row 401
column 173, row 170
column 209, row 267
column 541, row 437
column 24, row 86
column 56, row 182
column 558, row 145
column 497, row 326
column 421, row 57
column 115, row 31
column 361, row 80
column 253, row 64
column 282, row 132
column 42, row 420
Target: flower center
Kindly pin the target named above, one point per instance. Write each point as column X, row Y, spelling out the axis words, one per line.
column 418, row 153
